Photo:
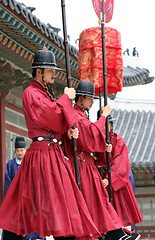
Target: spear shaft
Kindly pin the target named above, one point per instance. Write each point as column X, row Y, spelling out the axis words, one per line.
column 105, row 98
column 69, row 84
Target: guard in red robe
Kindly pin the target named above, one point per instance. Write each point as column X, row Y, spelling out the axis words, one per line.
column 124, row 200
column 92, row 139
column 43, row 196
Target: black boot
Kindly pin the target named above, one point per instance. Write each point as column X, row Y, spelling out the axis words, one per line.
column 136, row 236
column 11, row 236
column 65, row 238
column 58, row 238
column 131, row 233
column 115, row 234
column 119, row 234
column 107, row 238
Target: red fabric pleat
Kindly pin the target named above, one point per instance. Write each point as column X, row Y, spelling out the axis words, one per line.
column 44, row 197
column 126, row 205
column 96, row 196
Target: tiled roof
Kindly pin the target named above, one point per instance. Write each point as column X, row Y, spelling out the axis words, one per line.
column 30, row 18
column 138, row 130
column 135, row 76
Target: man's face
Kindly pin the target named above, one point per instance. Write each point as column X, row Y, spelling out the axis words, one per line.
column 49, row 75
column 20, row 152
column 87, row 102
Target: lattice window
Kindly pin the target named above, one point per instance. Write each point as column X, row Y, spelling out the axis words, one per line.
column 15, row 118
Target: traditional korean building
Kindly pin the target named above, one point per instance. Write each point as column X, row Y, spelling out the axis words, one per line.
column 21, row 35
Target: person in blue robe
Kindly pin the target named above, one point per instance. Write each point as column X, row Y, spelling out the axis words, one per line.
column 154, row 175
column 132, row 180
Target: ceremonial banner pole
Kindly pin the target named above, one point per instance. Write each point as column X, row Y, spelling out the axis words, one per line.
column 94, row 50
column 68, row 71
column 105, row 98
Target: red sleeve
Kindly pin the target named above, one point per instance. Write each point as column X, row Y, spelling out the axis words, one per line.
column 91, row 135
column 101, row 159
column 57, row 116
column 120, row 166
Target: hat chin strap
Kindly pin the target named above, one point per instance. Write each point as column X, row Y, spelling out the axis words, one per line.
column 81, row 102
column 46, row 89
column 112, row 133
column 82, row 108
column 88, row 113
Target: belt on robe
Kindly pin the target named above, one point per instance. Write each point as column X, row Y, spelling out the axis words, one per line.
column 91, row 154
column 49, row 139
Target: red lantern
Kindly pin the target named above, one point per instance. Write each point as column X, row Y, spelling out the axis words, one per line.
column 90, row 58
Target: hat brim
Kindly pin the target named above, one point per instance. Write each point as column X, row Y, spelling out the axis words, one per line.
column 85, row 94
column 46, row 66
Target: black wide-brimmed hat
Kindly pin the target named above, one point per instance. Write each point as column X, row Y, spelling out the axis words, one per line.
column 20, row 142
column 45, row 59
column 86, row 88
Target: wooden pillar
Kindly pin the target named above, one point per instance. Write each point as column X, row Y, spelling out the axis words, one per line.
column 2, row 148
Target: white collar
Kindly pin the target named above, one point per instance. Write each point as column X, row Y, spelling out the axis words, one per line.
column 18, row 161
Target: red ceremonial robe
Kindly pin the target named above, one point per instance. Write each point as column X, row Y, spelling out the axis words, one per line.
column 43, row 196
column 91, row 139
column 124, row 200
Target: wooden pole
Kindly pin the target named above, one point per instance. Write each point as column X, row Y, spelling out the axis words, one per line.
column 105, row 98
column 69, row 84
